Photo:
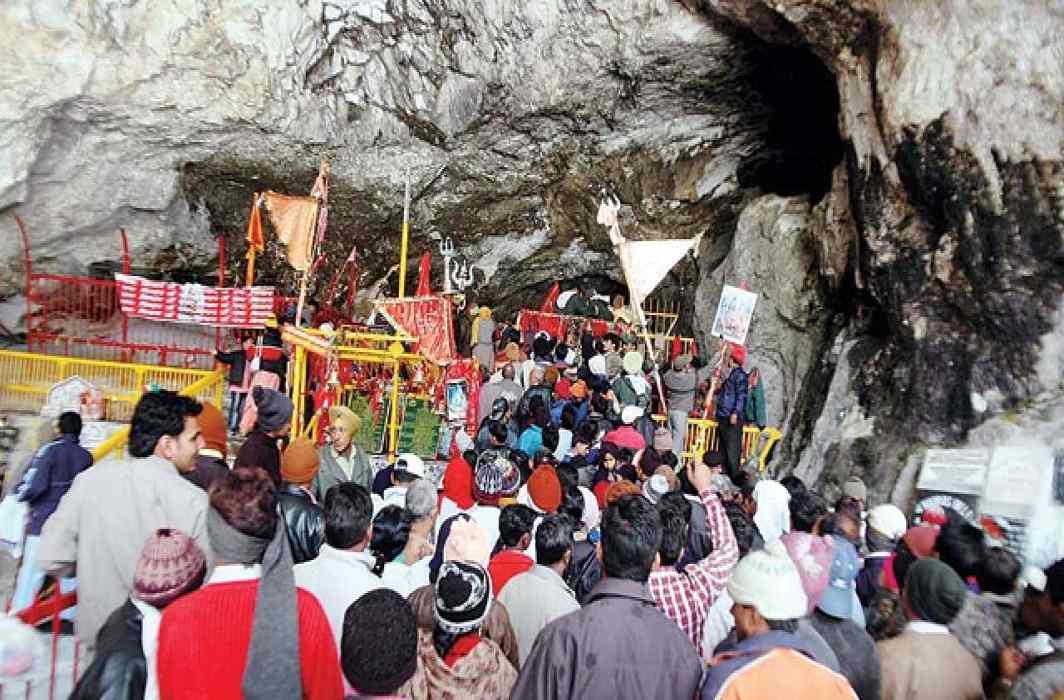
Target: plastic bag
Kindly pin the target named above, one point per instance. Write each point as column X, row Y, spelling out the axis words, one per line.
column 13, row 514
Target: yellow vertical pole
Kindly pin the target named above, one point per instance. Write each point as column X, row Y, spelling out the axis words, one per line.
column 406, row 236
column 296, row 387
column 393, row 427
column 396, row 349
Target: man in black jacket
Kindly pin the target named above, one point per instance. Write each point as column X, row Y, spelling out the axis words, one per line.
column 304, row 519
column 238, row 377
column 171, row 565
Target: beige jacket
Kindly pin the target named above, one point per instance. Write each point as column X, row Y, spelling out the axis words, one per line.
column 102, row 523
column 535, row 599
column 926, row 662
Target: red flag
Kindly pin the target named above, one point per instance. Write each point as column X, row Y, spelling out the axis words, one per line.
column 552, row 297
column 424, row 288
column 429, row 319
column 254, row 234
column 677, row 348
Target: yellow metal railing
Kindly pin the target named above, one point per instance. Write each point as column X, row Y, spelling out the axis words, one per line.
column 370, row 348
column 208, row 388
column 26, row 378
column 702, row 437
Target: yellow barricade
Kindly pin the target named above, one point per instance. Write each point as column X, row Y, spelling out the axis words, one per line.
column 208, row 388
column 26, row 378
column 702, row 437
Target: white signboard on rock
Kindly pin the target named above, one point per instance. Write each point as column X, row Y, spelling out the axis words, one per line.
column 954, row 471
column 1018, row 481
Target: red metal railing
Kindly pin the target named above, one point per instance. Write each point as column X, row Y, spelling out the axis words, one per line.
column 47, row 607
column 80, row 317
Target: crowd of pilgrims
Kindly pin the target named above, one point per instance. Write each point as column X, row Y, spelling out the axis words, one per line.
column 568, row 553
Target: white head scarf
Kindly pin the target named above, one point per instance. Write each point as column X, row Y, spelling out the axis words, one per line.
column 773, row 517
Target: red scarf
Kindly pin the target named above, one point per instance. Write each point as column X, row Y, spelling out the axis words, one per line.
column 461, row 647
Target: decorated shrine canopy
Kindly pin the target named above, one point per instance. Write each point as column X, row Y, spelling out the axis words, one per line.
column 429, row 319
column 234, row 307
column 532, row 322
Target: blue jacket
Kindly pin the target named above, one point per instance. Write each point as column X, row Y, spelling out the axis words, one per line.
column 531, row 440
column 732, row 396
column 49, row 477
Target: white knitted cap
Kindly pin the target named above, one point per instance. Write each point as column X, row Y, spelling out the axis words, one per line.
column 768, row 581
column 888, row 520
column 655, row 487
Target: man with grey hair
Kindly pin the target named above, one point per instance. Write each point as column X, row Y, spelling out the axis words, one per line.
column 422, row 509
column 411, row 571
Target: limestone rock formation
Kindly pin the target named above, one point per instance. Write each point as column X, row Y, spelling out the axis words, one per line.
column 773, row 253
column 165, row 118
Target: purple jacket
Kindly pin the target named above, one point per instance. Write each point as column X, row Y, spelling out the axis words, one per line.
column 49, row 477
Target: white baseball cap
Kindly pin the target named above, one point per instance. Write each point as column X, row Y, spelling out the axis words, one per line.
column 630, row 414
column 411, row 464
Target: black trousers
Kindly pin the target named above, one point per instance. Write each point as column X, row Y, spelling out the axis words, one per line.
column 731, row 444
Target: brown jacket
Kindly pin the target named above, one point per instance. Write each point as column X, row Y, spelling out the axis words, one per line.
column 497, row 627
column 260, row 450
column 916, row 666
column 617, row 646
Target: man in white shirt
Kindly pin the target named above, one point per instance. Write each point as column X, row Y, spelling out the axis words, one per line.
column 343, row 569
column 539, row 596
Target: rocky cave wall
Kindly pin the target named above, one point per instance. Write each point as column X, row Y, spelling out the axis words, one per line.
column 887, row 174
column 943, row 227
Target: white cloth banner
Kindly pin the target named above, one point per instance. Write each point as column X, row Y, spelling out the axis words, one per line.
column 649, row 261
column 236, row 307
column 646, row 262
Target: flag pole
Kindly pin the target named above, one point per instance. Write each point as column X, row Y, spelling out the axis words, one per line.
column 250, row 274
column 406, row 236
column 638, row 303
column 315, row 244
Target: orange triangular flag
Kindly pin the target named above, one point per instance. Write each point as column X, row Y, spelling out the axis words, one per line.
column 254, row 234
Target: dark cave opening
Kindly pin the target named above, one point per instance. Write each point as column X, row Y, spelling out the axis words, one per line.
column 802, row 144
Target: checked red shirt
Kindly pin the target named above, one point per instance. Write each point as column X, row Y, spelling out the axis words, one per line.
column 686, row 597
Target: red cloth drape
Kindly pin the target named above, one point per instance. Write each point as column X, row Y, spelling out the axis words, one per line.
column 531, row 322
column 424, row 270
column 429, row 319
column 552, row 297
